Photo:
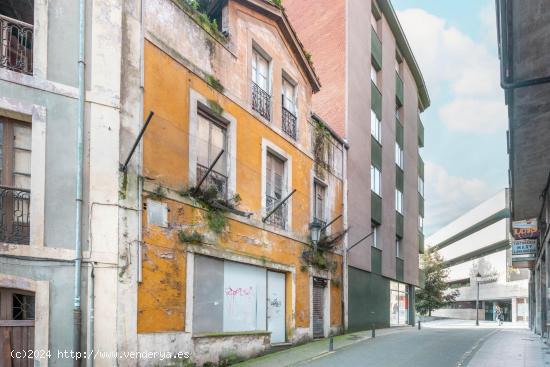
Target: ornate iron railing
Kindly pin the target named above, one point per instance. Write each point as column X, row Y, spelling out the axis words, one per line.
column 261, row 101
column 214, row 179
column 289, row 123
column 278, row 218
column 16, row 39
column 14, row 215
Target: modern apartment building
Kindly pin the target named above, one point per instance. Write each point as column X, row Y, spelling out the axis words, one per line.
column 524, row 32
column 373, row 94
column 478, row 242
column 237, row 173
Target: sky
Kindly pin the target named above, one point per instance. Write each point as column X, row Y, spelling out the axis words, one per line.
column 465, row 156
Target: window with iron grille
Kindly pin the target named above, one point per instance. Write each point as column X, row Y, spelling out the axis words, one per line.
column 261, row 83
column 275, row 190
column 16, row 35
column 15, row 181
column 289, row 112
column 212, row 136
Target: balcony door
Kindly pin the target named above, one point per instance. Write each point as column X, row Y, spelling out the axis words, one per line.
column 15, row 180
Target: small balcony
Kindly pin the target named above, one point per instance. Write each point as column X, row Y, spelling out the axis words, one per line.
column 279, row 217
column 214, row 179
column 16, row 40
column 261, row 101
column 14, row 215
column 376, row 50
column 398, row 90
column 289, row 124
column 420, row 133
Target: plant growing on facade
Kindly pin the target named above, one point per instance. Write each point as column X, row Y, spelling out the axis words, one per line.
column 159, row 193
column 321, row 143
column 216, row 208
column 198, row 10
column 215, row 107
column 214, row 83
column 320, row 259
column 193, row 237
column 436, row 292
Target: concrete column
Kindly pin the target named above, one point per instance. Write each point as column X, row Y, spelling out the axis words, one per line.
column 514, row 309
column 532, row 300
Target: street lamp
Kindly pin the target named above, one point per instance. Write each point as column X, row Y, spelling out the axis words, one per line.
column 315, row 229
column 478, row 279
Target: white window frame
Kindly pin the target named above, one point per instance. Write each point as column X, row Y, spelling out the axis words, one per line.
column 375, row 180
column 268, row 146
column 294, row 105
column 375, row 127
column 399, row 155
column 257, row 52
column 399, row 201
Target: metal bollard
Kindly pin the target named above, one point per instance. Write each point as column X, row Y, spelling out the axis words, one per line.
column 373, row 330
column 330, row 344
column 418, row 324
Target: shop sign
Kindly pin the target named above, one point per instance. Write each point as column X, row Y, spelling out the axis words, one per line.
column 523, row 229
column 524, row 247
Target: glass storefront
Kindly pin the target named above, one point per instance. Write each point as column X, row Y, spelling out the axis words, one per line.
column 399, row 304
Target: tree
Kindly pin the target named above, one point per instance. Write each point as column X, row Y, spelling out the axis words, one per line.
column 435, row 293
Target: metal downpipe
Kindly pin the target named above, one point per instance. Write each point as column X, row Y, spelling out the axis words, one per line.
column 77, row 311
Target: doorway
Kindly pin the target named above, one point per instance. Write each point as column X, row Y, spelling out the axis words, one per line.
column 276, row 306
column 318, row 301
column 16, row 326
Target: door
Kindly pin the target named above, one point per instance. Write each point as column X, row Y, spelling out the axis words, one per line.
column 276, row 306
column 319, row 307
column 16, row 326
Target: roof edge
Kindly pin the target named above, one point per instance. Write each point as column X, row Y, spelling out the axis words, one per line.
column 406, row 51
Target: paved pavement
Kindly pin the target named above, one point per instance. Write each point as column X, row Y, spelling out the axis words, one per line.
column 452, row 343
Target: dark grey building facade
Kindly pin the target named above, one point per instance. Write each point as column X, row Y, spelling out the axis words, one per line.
column 524, row 41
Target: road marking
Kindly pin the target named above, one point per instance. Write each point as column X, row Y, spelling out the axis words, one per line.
column 469, row 354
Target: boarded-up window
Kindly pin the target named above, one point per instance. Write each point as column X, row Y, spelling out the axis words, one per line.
column 228, row 296
column 157, row 213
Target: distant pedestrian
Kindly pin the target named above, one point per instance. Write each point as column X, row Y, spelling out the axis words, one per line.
column 498, row 315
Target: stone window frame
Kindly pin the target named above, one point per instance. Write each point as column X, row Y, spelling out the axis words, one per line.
column 36, row 116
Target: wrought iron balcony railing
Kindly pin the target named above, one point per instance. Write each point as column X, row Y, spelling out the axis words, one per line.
column 16, row 39
column 278, row 218
column 214, row 179
column 14, row 215
column 289, row 123
column 261, row 101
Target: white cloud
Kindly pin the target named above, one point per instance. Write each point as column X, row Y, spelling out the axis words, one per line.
column 469, row 70
column 448, row 197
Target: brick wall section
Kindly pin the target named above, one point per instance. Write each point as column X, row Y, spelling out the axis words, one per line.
column 327, row 43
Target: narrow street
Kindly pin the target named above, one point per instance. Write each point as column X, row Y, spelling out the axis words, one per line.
column 451, row 343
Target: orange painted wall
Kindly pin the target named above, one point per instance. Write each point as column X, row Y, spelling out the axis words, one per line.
column 161, row 295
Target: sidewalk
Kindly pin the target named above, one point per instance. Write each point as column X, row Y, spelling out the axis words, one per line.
column 511, row 348
column 315, row 349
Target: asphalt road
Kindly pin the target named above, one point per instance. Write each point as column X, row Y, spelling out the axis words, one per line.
column 438, row 347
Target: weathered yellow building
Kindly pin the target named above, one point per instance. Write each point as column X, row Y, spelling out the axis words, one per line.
column 228, row 267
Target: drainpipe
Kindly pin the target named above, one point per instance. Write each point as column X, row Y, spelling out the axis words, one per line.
column 91, row 306
column 502, row 33
column 77, row 312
